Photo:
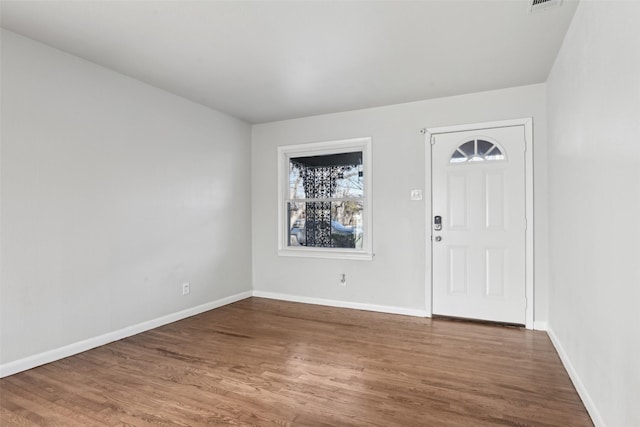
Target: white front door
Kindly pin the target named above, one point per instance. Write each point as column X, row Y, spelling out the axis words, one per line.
column 479, row 223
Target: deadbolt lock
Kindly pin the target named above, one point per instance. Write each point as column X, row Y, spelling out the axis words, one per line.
column 437, row 223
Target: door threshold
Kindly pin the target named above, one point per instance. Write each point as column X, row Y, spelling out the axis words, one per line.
column 478, row 321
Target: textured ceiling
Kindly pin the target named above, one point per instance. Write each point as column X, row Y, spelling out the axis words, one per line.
column 265, row 60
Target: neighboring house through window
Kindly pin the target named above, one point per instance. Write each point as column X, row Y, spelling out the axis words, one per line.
column 324, row 203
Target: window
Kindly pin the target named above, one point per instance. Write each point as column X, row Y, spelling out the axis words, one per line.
column 324, row 203
column 476, row 150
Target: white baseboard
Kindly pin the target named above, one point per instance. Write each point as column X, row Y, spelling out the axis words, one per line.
column 539, row 325
column 577, row 383
column 29, row 362
column 343, row 304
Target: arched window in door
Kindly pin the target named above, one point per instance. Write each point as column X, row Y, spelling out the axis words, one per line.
column 477, row 150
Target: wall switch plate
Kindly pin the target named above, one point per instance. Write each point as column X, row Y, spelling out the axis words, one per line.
column 416, row 194
column 186, row 288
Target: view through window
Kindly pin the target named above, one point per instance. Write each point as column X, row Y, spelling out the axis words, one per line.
column 326, row 200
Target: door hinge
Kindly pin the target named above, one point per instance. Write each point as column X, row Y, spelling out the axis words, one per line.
column 433, row 140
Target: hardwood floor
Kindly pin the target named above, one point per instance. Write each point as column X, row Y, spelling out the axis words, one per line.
column 265, row 362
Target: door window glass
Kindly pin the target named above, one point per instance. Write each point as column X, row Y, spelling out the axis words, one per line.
column 476, row 150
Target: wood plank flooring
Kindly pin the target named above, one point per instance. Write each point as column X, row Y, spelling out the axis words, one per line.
column 273, row 363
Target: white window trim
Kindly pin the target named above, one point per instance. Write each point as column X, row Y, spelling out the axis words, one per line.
column 285, row 152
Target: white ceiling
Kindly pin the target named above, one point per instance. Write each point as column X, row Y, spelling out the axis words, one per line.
column 271, row 60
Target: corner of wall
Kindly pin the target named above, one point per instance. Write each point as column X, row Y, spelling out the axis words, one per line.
column 575, row 378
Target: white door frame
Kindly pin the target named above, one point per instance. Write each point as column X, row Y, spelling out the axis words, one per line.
column 529, row 260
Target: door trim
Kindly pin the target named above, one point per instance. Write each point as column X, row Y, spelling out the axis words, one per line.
column 529, row 244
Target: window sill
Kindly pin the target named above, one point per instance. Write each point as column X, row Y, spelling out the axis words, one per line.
column 326, row 254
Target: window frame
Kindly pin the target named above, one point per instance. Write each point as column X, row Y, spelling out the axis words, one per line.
column 285, row 153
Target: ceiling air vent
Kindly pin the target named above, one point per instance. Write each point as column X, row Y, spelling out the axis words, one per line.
column 540, row 5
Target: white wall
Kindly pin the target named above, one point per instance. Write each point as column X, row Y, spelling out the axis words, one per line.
column 396, row 276
column 594, row 208
column 113, row 194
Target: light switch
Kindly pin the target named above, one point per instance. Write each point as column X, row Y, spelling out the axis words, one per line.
column 416, row 194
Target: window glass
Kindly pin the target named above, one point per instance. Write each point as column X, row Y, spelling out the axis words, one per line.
column 326, row 224
column 331, row 215
column 335, row 175
column 477, row 150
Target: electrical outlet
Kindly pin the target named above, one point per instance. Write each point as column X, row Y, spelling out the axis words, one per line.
column 343, row 279
column 186, row 288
